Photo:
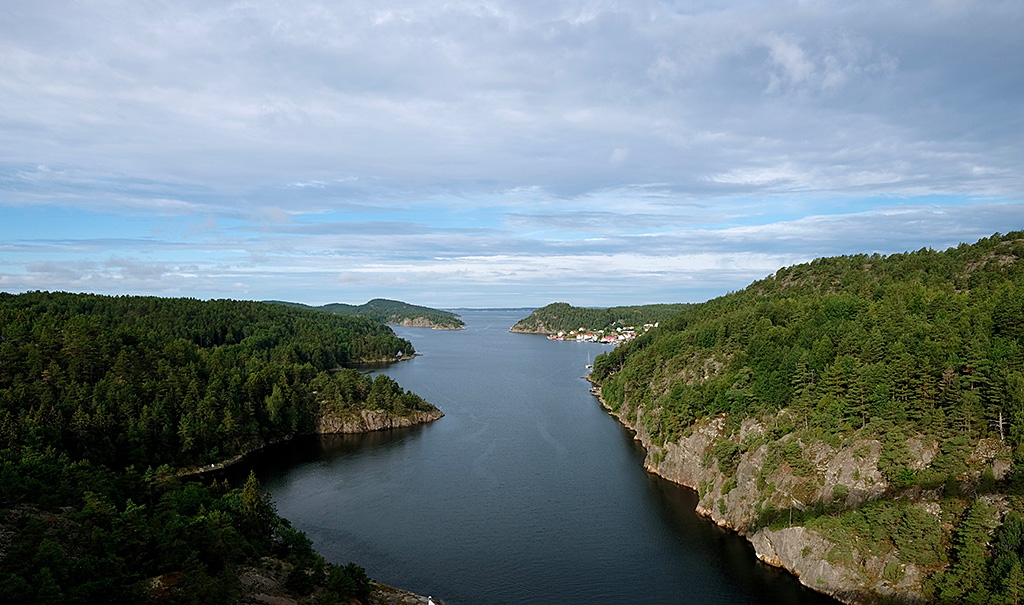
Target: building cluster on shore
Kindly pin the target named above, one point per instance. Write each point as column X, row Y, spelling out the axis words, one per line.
column 619, row 336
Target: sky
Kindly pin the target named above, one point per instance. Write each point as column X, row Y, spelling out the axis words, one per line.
column 495, row 154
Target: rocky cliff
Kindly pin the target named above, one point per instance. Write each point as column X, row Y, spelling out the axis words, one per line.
column 366, row 421
column 767, row 481
column 363, row 421
column 537, row 328
column 423, row 322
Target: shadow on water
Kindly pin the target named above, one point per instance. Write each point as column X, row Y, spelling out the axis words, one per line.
column 731, row 553
column 726, row 551
column 279, row 458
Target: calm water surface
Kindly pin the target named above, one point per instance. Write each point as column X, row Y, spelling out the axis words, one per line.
column 525, row 492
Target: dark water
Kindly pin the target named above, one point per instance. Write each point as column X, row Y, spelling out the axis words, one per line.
column 525, row 492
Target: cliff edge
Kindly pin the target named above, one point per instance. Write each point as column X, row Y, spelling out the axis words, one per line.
column 365, row 421
column 784, row 494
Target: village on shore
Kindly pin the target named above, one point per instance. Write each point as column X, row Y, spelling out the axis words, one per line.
column 619, row 336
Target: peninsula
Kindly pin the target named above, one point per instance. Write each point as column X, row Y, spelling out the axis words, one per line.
column 103, row 400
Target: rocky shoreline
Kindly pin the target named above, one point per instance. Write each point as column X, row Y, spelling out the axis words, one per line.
column 423, row 322
column 364, row 421
column 263, row 584
column 735, row 502
column 368, row 421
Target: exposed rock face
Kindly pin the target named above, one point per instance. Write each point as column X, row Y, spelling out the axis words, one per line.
column 854, row 467
column 388, row 595
column 537, row 328
column 846, row 474
column 806, row 555
column 366, row 421
column 265, row 584
column 423, row 322
column 363, row 421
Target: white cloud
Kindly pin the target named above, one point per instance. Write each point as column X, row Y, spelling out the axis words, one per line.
column 787, row 55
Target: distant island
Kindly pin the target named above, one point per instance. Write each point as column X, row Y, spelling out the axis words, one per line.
column 612, row 325
column 392, row 312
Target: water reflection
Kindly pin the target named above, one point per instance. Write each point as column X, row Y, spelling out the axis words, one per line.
column 322, row 450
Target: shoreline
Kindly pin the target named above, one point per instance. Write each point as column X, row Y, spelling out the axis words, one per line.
column 376, row 362
column 429, row 326
column 382, row 594
column 345, row 428
column 595, row 390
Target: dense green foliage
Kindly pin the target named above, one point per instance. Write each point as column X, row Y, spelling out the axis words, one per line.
column 929, row 338
column 94, row 389
column 152, row 381
column 924, row 343
column 563, row 316
column 91, row 535
column 391, row 312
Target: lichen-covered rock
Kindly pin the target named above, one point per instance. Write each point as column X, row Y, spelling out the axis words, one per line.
column 423, row 322
column 389, row 595
column 808, row 556
column 372, row 420
column 843, row 474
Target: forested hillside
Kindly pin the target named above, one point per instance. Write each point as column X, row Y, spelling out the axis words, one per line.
column 907, row 369
column 102, row 399
column 393, row 312
column 563, row 316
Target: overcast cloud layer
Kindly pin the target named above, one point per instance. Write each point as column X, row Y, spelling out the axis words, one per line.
column 496, row 154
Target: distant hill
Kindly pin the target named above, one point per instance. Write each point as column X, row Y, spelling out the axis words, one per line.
column 563, row 316
column 391, row 312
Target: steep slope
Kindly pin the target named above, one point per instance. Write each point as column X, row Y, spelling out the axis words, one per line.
column 856, row 417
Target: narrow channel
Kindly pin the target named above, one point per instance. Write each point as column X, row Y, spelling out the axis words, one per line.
column 525, row 492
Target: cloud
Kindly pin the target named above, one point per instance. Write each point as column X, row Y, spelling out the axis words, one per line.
column 192, row 147
column 785, row 54
column 416, row 91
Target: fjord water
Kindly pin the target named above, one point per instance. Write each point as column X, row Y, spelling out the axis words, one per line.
column 527, row 491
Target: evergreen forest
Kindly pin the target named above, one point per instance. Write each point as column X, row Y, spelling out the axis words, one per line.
column 925, row 345
column 104, row 401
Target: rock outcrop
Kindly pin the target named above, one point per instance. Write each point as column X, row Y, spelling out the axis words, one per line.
column 537, row 328
column 264, row 583
column 763, row 482
column 363, row 421
column 423, row 322
column 366, row 421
